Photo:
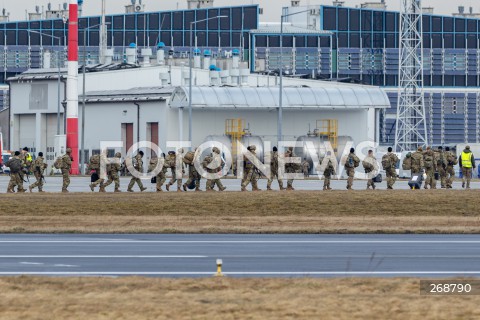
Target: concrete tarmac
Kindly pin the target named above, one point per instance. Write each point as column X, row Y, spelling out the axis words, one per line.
column 81, row 184
column 242, row 255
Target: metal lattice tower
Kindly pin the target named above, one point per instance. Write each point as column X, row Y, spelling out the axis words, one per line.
column 411, row 129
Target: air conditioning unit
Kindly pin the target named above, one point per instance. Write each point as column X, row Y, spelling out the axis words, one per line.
column 138, row 8
column 315, row 12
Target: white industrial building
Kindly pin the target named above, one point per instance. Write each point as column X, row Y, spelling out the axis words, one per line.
column 130, row 103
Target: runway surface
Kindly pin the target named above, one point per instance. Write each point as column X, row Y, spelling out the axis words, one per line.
column 81, row 184
column 242, row 255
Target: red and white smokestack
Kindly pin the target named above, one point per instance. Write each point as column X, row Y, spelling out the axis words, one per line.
column 72, row 85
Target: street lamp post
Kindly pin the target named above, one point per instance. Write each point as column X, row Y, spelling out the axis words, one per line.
column 191, row 73
column 82, row 147
column 280, row 98
column 58, row 74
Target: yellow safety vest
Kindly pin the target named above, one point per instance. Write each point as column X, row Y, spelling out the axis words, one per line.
column 466, row 160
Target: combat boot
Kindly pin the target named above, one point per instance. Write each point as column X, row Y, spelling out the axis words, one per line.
column 179, row 190
column 41, row 191
column 117, row 190
column 210, row 190
column 23, row 190
column 10, row 191
column 269, row 189
column 257, row 189
column 92, row 187
column 30, row 188
column 65, row 191
column 143, row 189
column 184, row 187
column 243, row 189
column 223, row 188
column 198, row 190
column 168, row 186
column 102, row 189
column 129, row 190
column 159, row 190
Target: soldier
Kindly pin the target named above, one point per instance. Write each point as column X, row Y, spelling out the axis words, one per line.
column 291, row 168
column 417, row 164
column 305, row 167
column 467, row 163
column 389, row 164
column 171, row 161
column 15, row 165
column 39, row 167
column 161, row 176
column 450, row 171
column 66, row 166
column 351, row 162
column 27, row 160
column 430, row 168
column 328, row 172
column 113, row 170
column 193, row 175
column 214, row 160
column 274, row 170
column 250, row 174
column 94, row 164
column 138, row 166
column 442, row 164
column 370, row 164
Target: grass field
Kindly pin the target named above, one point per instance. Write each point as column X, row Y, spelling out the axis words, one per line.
column 226, row 298
column 422, row 211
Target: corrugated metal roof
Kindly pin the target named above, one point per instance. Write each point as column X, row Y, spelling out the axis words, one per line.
column 133, row 94
column 288, row 29
column 353, row 97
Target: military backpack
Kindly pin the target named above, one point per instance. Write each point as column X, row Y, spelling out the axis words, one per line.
column 15, row 165
column 386, row 162
column 367, row 165
column 451, row 159
column 94, row 162
column 58, row 164
column 428, row 161
column 188, row 158
column 407, row 163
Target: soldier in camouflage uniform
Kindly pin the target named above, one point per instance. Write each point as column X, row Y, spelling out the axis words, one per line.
column 15, row 178
column 113, row 173
column 214, row 160
column 430, row 164
column 193, row 175
column 417, row 165
column 66, row 166
column 172, row 163
column 390, row 159
column 291, row 168
column 328, row 172
column 305, row 167
column 441, row 166
column 371, row 168
column 39, row 167
column 274, row 166
column 351, row 162
column 161, row 176
column 138, row 165
column 97, row 169
column 250, row 173
column 449, row 170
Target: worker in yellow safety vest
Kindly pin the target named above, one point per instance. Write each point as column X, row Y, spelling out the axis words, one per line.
column 467, row 163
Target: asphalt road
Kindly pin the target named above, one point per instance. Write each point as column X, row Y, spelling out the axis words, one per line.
column 242, row 255
column 81, row 184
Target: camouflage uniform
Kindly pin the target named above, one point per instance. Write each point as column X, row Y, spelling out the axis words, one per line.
column 139, row 167
column 350, row 163
column 171, row 162
column 161, row 176
column 391, row 172
column 250, row 174
column 450, row 171
column 327, row 174
column 113, row 170
column 370, row 166
column 442, row 163
column 218, row 164
column 38, row 167
column 99, row 181
column 291, row 168
column 66, row 166
column 274, row 171
column 417, row 162
column 193, row 176
column 15, row 178
column 305, row 168
column 430, row 169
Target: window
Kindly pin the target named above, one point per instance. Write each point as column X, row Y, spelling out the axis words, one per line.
column 329, row 19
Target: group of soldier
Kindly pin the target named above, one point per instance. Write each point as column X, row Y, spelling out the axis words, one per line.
column 432, row 164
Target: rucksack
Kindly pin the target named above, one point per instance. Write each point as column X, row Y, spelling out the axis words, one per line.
column 367, row 165
column 15, row 165
column 428, row 162
column 94, row 162
column 407, row 163
column 58, row 164
column 451, row 159
column 188, row 158
column 386, row 162
column 352, row 162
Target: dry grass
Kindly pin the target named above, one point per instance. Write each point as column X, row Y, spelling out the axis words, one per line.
column 226, row 298
column 439, row 211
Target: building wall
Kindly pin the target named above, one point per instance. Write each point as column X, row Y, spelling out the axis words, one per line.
column 4, row 127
